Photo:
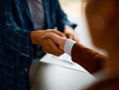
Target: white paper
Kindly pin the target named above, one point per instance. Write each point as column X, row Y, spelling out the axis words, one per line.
column 51, row 59
column 66, row 57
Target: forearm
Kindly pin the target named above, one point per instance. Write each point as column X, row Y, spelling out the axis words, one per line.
column 66, row 27
column 34, row 37
column 91, row 60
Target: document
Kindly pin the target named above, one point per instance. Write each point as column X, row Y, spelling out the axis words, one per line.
column 63, row 61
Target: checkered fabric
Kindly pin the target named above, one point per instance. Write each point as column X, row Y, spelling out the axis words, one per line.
column 16, row 49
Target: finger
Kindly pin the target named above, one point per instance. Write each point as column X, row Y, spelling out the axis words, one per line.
column 58, row 33
column 76, row 39
column 60, row 54
column 53, row 53
column 51, row 35
column 68, row 35
column 51, row 48
column 55, row 48
column 71, row 37
column 45, row 51
column 46, row 36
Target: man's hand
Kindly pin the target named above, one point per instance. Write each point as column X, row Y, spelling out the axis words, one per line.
column 47, row 44
column 69, row 33
column 60, row 41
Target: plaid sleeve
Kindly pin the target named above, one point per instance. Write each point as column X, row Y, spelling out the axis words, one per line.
column 62, row 18
column 11, row 35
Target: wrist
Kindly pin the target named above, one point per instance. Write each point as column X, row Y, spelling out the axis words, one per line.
column 35, row 37
column 67, row 27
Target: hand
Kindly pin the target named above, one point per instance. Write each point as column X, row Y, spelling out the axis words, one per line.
column 47, row 44
column 69, row 33
column 60, row 41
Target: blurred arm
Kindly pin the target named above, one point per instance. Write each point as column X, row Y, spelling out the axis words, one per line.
column 91, row 60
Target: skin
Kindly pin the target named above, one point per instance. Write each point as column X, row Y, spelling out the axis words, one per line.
column 69, row 33
column 60, row 41
column 48, row 44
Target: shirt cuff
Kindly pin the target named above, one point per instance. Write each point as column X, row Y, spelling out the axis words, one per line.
column 68, row 46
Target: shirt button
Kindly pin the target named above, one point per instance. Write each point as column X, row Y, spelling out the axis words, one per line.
column 26, row 69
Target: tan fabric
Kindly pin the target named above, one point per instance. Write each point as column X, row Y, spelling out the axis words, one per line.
column 93, row 62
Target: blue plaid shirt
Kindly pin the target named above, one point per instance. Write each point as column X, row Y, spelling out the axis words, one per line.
column 16, row 49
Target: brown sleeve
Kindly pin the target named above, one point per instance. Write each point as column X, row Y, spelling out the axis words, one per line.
column 91, row 60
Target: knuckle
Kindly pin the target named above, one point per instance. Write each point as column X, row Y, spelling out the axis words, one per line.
column 52, row 34
column 54, row 30
column 62, row 34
